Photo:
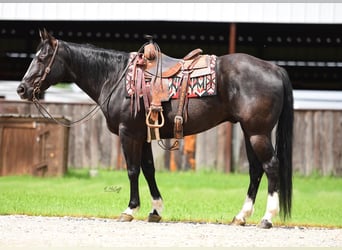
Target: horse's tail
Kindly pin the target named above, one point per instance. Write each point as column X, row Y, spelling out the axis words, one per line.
column 284, row 148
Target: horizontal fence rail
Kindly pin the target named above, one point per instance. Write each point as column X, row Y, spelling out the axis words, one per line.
column 317, row 145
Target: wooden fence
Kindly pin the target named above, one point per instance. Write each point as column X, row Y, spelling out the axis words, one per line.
column 90, row 143
column 317, row 142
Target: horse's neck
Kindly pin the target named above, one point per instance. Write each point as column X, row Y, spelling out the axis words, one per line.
column 92, row 70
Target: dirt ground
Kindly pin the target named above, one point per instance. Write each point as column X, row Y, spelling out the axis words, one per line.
column 35, row 231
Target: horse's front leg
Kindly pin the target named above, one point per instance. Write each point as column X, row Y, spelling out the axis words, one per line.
column 132, row 150
column 148, row 168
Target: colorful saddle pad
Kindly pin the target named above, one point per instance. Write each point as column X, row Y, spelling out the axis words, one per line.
column 202, row 81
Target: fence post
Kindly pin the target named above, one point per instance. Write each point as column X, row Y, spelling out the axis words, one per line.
column 228, row 147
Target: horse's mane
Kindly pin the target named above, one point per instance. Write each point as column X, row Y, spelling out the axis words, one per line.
column 94, row 54
column 94, row 65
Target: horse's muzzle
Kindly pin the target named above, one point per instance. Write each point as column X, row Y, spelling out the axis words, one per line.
column 23, row 91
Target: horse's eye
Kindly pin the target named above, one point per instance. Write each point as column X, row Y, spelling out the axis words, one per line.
column 41, row 54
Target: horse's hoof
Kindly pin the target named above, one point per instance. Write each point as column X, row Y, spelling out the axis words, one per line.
column 153, row 217
column 238, row 222
column 125, row 218
column 265, row 224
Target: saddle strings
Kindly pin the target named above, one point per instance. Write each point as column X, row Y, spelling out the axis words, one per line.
column 159, row 72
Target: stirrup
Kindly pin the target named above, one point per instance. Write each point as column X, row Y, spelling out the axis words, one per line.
column 155, row 125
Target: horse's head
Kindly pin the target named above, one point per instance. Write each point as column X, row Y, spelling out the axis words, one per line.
column 45, row 69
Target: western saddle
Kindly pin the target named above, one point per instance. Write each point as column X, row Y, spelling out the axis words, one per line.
column 151, row 72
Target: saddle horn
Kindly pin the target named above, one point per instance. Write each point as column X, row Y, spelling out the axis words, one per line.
column 150, row 52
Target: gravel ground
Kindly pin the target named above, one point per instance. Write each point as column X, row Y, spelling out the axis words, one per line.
column 35, row 231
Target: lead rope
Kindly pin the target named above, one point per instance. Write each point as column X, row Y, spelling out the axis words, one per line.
column 46, row 114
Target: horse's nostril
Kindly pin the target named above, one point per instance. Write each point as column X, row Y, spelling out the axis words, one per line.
column 20, row 90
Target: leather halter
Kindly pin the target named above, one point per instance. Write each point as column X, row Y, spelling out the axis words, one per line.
column 45, row 113
column 38, row 84
column 42, row 109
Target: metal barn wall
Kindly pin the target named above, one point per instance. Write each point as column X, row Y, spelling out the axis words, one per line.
column 203, row 12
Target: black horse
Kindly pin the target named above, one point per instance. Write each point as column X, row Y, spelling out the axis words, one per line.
column 253, row 92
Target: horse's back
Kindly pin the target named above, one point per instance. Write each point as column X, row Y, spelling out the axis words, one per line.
column 246, row 69
column 254, row 88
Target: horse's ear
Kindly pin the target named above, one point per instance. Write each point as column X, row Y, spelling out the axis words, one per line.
column 41, row 34
column 44, row 35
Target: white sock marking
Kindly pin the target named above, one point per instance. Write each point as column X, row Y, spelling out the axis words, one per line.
column 247, row 209
column 157, row 205
column 272, row 208
column 131, row 211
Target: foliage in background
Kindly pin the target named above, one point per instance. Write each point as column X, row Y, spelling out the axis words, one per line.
column 188, row 196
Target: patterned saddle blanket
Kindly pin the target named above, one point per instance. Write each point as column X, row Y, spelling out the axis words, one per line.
column 201, row 82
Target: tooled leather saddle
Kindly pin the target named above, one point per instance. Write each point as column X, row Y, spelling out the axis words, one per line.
column 157, row 77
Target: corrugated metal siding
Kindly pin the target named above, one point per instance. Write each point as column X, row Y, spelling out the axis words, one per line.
column 208, row 12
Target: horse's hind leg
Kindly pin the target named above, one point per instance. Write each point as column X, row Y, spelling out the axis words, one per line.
column 147, row 165
column 265, row 155
column 255, row 173
column 263, row 148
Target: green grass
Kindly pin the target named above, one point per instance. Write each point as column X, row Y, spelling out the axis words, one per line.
column 188, row 196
